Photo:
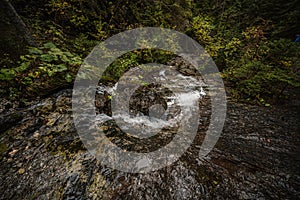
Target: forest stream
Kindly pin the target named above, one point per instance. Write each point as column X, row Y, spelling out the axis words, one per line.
column 42, row 156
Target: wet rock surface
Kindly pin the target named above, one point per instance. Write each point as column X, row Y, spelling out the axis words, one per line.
column 256, row 157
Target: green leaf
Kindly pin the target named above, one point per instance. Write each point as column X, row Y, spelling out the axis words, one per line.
column 27, row 81
column 64, row 58
column 68, row 78
column 49, row 45
column 34, row 50
column 68, row 54
column 23, row 67
column 48, row 57
column 60, row 68
column 7, row 74
column 50, row 72
column 56, row 51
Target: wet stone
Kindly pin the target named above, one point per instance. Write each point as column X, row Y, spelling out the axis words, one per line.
column 256, row 157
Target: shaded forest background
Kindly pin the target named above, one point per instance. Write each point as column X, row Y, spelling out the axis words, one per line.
column 43, row 43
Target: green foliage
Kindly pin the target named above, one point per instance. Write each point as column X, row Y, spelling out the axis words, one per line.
column 264, row 71
column 133, row 59
column 42, row 65
column 250, row 41
column 7, row 74
column 50, row 61
column 254, row 66
column 82, row 45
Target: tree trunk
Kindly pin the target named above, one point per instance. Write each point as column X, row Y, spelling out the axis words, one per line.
column 15, row 36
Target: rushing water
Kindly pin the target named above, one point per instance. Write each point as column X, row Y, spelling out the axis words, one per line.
column 153, row 107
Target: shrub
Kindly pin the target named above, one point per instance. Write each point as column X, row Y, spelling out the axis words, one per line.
column 42, row 67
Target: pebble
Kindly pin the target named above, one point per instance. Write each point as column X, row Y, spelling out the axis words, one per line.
column 13, row 152
column 36, row 134
column 21, row 171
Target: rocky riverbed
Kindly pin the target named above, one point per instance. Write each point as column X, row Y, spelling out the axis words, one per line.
column 42, row 156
